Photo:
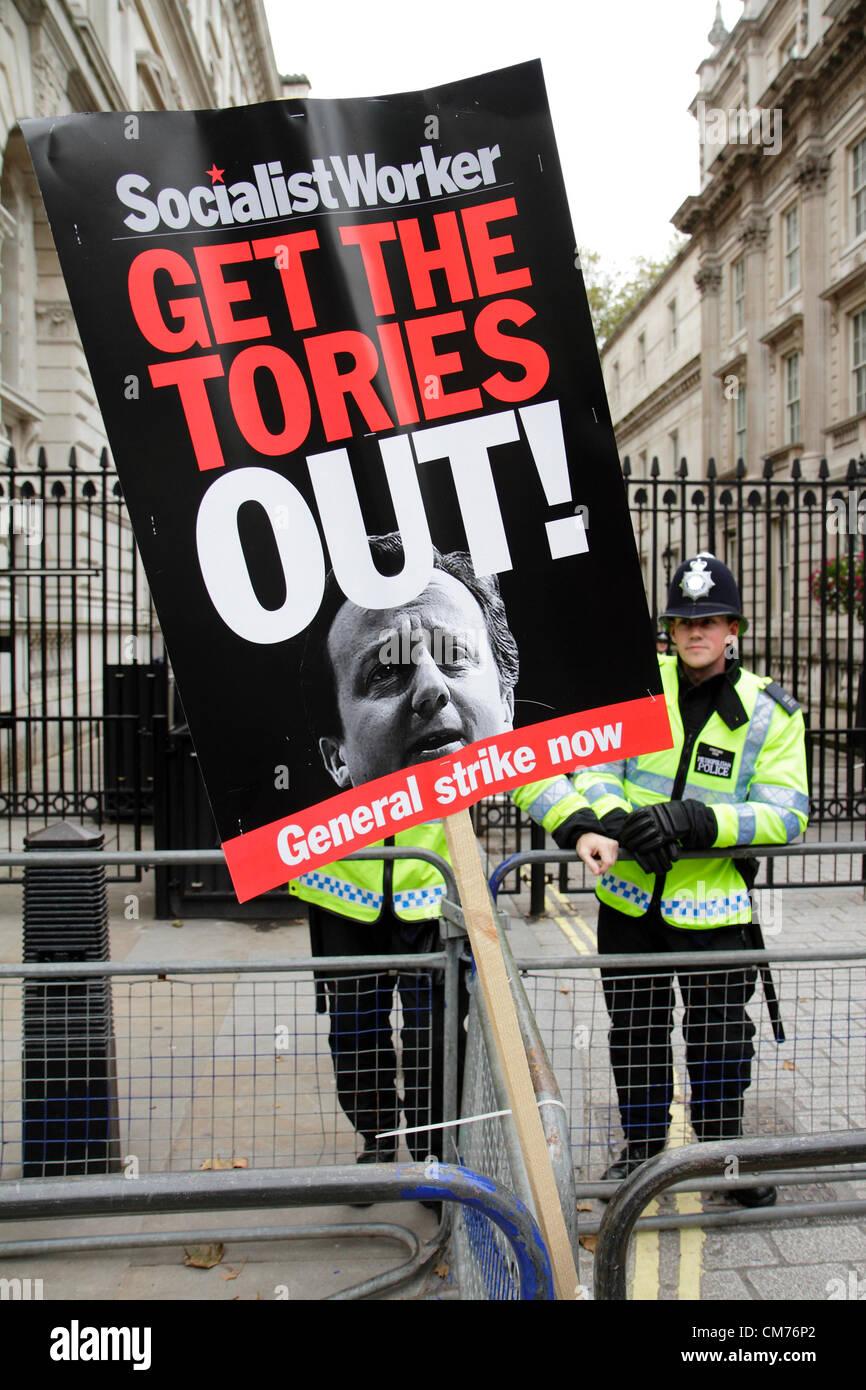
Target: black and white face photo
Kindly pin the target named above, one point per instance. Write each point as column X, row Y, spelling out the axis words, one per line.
column 412, row 683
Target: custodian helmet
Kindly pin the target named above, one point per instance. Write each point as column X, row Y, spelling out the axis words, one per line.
column 703, row 587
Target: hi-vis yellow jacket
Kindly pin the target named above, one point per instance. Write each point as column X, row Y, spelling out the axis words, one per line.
column 361, row 888
column 752, row 776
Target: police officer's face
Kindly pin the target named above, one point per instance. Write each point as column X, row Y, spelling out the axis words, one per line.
column 412, row 683
column 703, row 642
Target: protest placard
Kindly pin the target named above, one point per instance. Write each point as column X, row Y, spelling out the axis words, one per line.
column 346, row 364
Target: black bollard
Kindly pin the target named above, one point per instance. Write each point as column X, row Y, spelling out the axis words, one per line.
column 70, row 1073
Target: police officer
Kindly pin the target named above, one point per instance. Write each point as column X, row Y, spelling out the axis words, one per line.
column 736, row 775
column 377, row 708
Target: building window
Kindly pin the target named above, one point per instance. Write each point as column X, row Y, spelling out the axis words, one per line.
column 791, row 248
column 792, row 398
column 858, row 361
column 641, row 357
column 730, row 548
column 673, row 324
column 781, row 562
column 738, row 281
column 858, row 187
column 740, row 425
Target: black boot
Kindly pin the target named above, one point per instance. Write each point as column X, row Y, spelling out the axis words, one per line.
column 754, row 1196
column 636, row 1152
column 383, row 1152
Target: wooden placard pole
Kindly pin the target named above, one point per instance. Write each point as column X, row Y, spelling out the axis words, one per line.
column 478, row 914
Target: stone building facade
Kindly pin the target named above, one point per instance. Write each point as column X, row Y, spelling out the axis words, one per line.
column 93, row 55
column 752, row 344
column 74, row 605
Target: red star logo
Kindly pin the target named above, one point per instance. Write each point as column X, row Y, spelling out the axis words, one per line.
column 215, row 174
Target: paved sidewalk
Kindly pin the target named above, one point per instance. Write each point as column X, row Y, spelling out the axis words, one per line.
column 815, row 1081
column 215, row 1027
column 822, row 1258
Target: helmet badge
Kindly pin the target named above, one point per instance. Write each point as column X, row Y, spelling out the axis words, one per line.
column 697, row 580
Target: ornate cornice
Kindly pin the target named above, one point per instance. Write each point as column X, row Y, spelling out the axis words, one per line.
column 674, row 388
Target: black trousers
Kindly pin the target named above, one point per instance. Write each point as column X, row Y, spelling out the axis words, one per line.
column 360, row 1034
column 717, row 1029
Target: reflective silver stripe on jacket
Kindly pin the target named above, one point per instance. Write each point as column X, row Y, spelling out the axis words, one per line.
column 652, row 781
column 758, row 727
column 546, row 800
column 605, row 787
column 786, row 797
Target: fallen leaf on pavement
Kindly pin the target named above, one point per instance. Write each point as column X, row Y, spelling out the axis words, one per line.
column 232, row 1273
column 203, row 1256
column 442, row 1270
column 588, row 1242
column 788, row 1066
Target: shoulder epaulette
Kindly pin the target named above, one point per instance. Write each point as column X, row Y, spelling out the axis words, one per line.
column 781, row 696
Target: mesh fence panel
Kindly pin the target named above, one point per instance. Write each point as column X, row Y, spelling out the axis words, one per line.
column 811, row 1083
column 485, row 1266
column 211, row 1071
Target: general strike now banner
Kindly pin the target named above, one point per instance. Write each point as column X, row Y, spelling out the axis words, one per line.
column 345, row 361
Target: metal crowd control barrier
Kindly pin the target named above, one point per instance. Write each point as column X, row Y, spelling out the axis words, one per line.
column 487, row 1142
column 696, row 1162
column 206, row 1094
column 221, row 1063
column 806, row 849
column 268, row 1188
column 810, row 1083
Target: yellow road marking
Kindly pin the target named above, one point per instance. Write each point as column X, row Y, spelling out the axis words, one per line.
column 645, row 1287
column 645, row 1283
column 691, row 1241
column 567, row 925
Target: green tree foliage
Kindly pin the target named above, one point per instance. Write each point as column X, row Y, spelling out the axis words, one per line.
column 612, row 295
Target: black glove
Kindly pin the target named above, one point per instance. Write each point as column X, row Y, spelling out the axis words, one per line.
column 642, row 835
column 653, row 833
column 692, row 824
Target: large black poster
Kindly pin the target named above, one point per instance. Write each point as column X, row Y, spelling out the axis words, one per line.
column 345, row 361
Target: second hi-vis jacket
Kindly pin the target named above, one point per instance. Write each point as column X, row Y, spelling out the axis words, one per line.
column 361, row 889
column 747, row 763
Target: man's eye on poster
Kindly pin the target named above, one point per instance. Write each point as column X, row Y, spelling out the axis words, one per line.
column 368, row 461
